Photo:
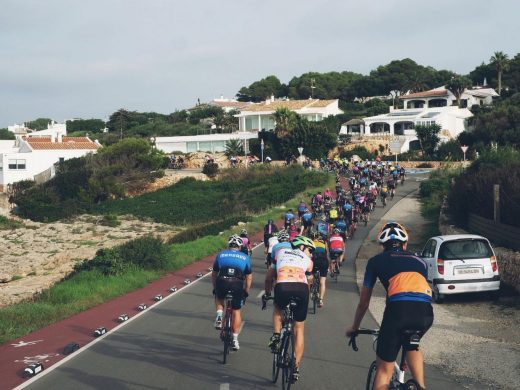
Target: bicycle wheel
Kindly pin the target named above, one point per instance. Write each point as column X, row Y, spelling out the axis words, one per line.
column 411, row 384
column 336, row 271
column 276, row 366
column 371, row 376
column 226, row 338
column 288, row 368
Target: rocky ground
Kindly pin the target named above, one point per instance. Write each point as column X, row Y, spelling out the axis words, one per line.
column 473, row 338
column 38, row 255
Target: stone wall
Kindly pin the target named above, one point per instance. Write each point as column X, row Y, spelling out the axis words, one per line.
column 507, row 259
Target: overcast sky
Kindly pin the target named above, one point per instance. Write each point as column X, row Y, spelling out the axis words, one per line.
column 88, row 58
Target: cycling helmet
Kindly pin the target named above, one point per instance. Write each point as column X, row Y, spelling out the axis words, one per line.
column 302, row 240
column 315, row 235
column 392, row 231
column 283, row 236
column 243, row 232
column 336, row 230
column 324, row 218
column 348, row 206
column 235, row 241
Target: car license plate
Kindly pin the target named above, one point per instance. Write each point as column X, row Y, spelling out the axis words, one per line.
column 465, row 271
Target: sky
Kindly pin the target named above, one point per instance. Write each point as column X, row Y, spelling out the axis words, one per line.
column 64, row 59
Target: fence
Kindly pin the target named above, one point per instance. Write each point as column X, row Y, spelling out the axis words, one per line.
column 499, row 233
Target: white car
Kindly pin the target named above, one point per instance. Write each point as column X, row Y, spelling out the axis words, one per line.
column 461, row 263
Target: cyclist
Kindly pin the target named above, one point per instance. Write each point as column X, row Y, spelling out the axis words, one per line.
column 337, row 246
column 283, row 242
column 292, row 270
column 273, row 240
column 321, row 263
column 408, row 306
column 288, row 219
column 307, row 222
column 323, row 227
column 246, row 244
column 231, row 272
column 391, row 185
column 269, row 229
column 293, row 231
column 342, row 226
column 384, row 193
column 301, row 209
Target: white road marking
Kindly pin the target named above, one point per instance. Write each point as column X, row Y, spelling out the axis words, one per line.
column 25, row 343
column 224, row 386
column 44, row 358
column 241, row 327
column 98, row 339
column 260, row 294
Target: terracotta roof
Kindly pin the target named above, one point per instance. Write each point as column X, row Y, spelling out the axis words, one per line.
column 290, row 104
column 68, row 143
column 426, row 94
column 229, row 104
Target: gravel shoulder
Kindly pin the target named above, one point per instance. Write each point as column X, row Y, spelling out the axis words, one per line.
column 472, row 338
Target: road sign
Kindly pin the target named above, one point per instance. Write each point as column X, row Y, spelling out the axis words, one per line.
column 300, row 150
column 395, row 146
column 464, row 149
column 262, row 144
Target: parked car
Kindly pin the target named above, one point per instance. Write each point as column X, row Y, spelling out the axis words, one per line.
column 461, row 263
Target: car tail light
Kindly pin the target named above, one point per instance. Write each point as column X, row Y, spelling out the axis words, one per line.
column 493, row 260
column 440, row 266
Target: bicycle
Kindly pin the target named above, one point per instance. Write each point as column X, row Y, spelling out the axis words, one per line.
column 334, row 266
column 315, row 290
column 383, row 200
column 284, row 357
column 410, row 338
column 226, row 334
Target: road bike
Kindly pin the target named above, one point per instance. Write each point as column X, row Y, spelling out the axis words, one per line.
column 334, row 265
column 409, row 339
column 284, row 357
column 315, row 291
column 392, row 193
column 383, row 200
column 226, row 333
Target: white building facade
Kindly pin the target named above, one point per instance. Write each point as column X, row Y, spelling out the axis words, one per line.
column 212, row 143
column 260, row 116
column 437, row 106
column 27, row 157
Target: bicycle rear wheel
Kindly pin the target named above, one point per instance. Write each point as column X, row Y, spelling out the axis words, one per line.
column 226, row 338
column 411, row 384
column 371, row 376
column 276, row 366
column 289, row 361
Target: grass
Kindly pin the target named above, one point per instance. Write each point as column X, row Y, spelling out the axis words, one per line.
column 86, row 289
column 9, row 224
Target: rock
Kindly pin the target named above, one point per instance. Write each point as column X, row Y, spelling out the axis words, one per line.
column 5, row 278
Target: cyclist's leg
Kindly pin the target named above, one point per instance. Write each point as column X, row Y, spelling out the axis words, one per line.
column 415, row 361
column 384, row 374
column 299, row 341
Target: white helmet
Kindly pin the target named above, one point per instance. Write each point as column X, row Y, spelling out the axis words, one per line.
column 235, row 241
column 283, row 236
column 392, row 231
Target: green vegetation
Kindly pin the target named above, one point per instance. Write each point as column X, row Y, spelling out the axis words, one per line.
column 473, row 190
column 6, row 135
column 9, row 224
column 81, row 183
column 91, row 126
column 118, row 271
column 237, row 192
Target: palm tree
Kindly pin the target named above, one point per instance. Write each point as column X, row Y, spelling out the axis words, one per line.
column 501, row 62
column 234, row 147
column 285, row 121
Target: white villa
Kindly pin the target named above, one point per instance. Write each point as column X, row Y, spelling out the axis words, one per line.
column 27, row 157
column 260, row 116
column 423, row 108
column 229, row 104
column 201, row 143
column 53, row 128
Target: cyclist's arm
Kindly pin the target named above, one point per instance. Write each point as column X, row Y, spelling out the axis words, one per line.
column 249, row 282
column 214, row 274
column 269, row 278
column 309, row 274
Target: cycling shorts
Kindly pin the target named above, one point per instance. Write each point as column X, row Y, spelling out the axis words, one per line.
column 283, row 292
column 307, row 223
column 321, row 263
column 399, row 316
column 335, row 253
column 225, row 284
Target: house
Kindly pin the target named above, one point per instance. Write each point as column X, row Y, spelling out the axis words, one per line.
column 229, row 105
column 29, row 156
column 53, row 128
column 260, row 116
column 200, row 143
column 436, row 106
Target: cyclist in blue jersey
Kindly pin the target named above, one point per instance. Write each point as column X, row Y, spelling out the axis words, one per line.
column 342, row 226
column 323, row 228
column 307, row 222
column 231, row 272
column 288, row 219
column 408, row 303
column 283, row 242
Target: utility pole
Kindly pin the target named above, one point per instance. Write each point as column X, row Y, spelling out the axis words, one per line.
column 312, row 88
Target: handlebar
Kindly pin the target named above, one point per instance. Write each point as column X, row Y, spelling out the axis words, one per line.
column 265, row 299
column 352, row 341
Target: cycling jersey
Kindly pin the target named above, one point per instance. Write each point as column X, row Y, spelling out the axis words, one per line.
column 302, row 207
column 279, row 246
column 403, row 275
column 333, row 213
column 232, row 263
column 291, row 265
column 341, row 226
column 271, row 243
column 336, row 243
column 289, row 217
column 293, row 233
column 320, row 247
column 323, row 228
column 307, row 217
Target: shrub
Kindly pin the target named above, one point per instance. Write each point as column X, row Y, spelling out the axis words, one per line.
column 7, row 224
column 210, row 169
column 425, row 165
column 110, row 220
column 147, row 252
column 206, row 229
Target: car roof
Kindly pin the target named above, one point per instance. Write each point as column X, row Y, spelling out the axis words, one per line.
column 453, row 237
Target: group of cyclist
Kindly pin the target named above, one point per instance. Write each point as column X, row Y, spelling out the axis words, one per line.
column 304, row 248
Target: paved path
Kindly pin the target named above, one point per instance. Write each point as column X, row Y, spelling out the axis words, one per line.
column 173, row 345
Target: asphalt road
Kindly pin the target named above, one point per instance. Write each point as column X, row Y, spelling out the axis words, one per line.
column 174, row 345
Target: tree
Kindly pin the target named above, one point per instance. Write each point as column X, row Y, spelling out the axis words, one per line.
column 261, row 90
column 285, row 121
column 6, row 134
column 88, row 125
column 315, row 138
column 457, row 85
column 428, row 138
column 501, row 62
column 234, row 147
column 118, row 121
column 38, row 124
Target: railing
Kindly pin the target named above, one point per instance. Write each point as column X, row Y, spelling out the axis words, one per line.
column 499, row 233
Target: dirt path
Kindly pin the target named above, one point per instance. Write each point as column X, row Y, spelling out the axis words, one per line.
column 472, row 337
column 39, row 255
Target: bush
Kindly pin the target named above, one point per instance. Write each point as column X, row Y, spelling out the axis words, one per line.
column 361, row 151
column 110, row 220
column 210, row 169
column 425, row 165
column 8, row 224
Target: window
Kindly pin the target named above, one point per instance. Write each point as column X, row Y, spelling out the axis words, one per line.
column 16, row 164
column 465, row 249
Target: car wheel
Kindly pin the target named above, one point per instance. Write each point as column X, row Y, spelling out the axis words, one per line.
column 437, row 296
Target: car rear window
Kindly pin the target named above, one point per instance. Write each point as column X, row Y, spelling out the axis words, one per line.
column 465, row 249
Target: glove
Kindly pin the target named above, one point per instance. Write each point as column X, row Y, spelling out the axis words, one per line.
column 214, row 292
column 246, row 294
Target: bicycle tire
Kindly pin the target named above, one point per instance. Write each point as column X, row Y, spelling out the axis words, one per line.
column 282, row 357
column 371, row 376
column 227, row 338
column 411, row 384
column 336, row 271
column 289, row 366
column 276, row 367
